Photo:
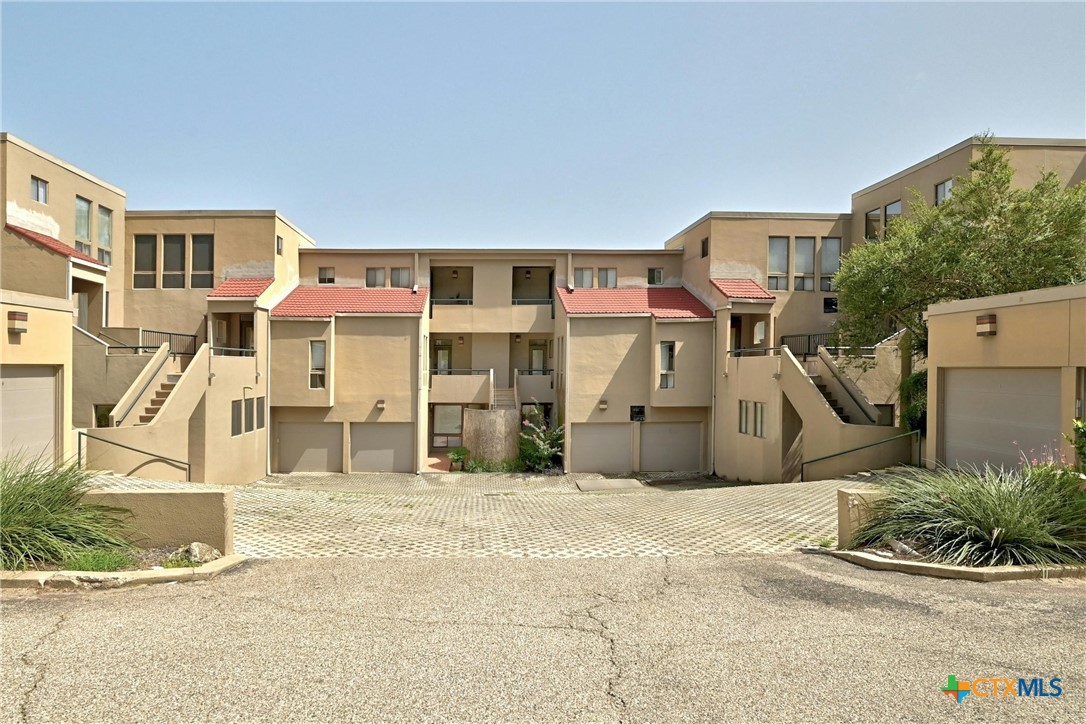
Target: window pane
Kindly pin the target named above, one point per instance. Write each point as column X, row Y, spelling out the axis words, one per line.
column 235, row 417
column 778, row 255
column 805, row 248
column 401, row 277
column 892, row 212
column 656, row 276
column 173, row 253
column 316, row 355
column 608, row 278
column 105, row 228
column 375, row 277
column 667, row 356
column 447, row 419
column 202, row 281
column 326, row 275
column 260, row 413
column 249, row 416
column 82, row 219
column 582, row 278
column 203, row 252
column 831, row 255
column 942, row 191
column 871, row 223
column 105, row 257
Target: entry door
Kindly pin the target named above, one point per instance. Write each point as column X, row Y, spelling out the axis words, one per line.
column 443, row 359
column 82, row 303
column 736, row 332
column 247, row 335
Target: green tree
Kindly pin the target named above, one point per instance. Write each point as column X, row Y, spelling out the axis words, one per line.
column 987, row 238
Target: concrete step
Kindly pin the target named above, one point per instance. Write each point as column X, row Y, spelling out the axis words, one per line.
column 146, row 418
column 157, row 401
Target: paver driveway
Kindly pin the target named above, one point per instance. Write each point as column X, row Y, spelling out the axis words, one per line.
column 475, row 516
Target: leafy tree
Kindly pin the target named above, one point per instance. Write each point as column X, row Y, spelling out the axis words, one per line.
column 987, row 238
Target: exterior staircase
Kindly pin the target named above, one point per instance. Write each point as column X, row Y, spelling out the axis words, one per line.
column 830, row 398
column 504, row 399
column 161, row 395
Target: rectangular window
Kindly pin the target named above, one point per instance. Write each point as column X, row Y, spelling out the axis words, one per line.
column 759, row 419
column 582, row 278
column 279, row 245
column 235, row 418
column 778, row 263
column 942, row 191
column 105, row 228
column 829, row 262
column 326, row 275
column 173, row 261
column 101, row 415
column 203, row 261
column 872, row 224
column 316, row 364
column 829, row 305
column 607, row 278
column 891, row 212
column 250, row 417
column 744, row 417
column 805, row 261
column 656, row 276
column 401, row 277
column 146, row 265
column 448, row 425
column 82, row 219
column 705, row 247
column 375, row 277
column 39, row 190
column 667, row 365
column 260, row 413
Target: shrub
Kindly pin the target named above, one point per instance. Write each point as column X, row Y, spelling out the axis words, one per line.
column 983, row 517
column 458, row 455
column 1078, row 440
column 540, row 445
column 913, row 393
column 98, row 559
column 42, row 520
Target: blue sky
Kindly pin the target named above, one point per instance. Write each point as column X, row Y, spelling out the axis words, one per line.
column 495, row 125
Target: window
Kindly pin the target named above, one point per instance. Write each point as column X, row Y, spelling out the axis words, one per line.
column 105, row 228
column 203, row 261
column 872, row 224
column 39, row 190
column 448, row 425
column 778, row 263
column 401, row 277
column 250, row 417
column 105, row 257
column 582, row 278
column 829, row 262
column 316, row 364
column 235, row 418
column 829, row 305
column 173, row 261
column 667, row 365
column 804, row 272
column 82, row 224
column 942, row 191
column 607, row 278
column 759, row 332
column 759, row 419
column 279, row 245
column 260, row 413
column 656, row 276
column 892, row 211
column 146, row 267
column 375, row 277
column 326, row 275
column 705, row 247
column 744, row 417
column 101, row 415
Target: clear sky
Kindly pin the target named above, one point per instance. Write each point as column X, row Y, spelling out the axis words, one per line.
column 498, row 125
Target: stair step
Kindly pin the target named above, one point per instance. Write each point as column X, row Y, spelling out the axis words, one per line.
column 173, row 379
column 146, row 418
column 157, row 402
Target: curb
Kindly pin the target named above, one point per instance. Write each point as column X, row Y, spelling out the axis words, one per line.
column 990, row 574
column 117, row 579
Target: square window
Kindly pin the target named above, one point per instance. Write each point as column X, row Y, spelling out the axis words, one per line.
column 83, row 247
column 582, row 278
column 607, row 278
column 326, row 275
column 401, row 277
column 778, row 284
column 804, row 284
column 105, row 257
column 656, row 276
column 39, row 190
column 942, row 191
column 829, row 305
column 375, row 277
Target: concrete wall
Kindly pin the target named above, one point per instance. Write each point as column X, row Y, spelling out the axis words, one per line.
column 32, row 269
column 351, row 266
column 99, row 378
column 290, row 362
column 632, row 268
column 174, row 518
column 492, row 434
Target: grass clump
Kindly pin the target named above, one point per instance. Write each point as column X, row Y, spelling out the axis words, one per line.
column 42, row 519
column 181, row 562
column 988, row 516
column 98, row 559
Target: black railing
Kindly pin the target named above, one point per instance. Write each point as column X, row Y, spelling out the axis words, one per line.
column 755, row 352
column 154, row 457
column 527, row 301
column 451, row 300
column 134, row 349
column 535, row 372
column 233, row 352
column 806, row 345
column 179, row 343
column 459, row 372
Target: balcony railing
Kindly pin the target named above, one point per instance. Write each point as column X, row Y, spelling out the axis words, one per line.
column 530, row 301
column 179, row 343
column 452, row 300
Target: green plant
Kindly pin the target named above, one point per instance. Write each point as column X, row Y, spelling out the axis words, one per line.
column 486, row 465
column 42, row 519
column 913, row 392
column 540, row 444
column 458, row 455
column 983, row 517
column 826, row 542
column 180, row 562
column 1078, row 440
column 98, row 559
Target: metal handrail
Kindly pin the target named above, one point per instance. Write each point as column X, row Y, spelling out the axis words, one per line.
column 451, row 300
column 138, row 348
column 530, row 301
column 837, row 375
column 79, row 453
column 803, row 466
column 540, row 372
column 241, row 351
column 189, row 340
column 150, row 379
column 461, row 371
column 753, row 351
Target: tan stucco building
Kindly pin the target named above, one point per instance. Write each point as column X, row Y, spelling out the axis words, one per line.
column 222, row 345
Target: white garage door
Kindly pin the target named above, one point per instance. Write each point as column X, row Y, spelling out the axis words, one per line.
column 601, row 448
column 990, row 415
column 28, row 422
column 382, row 447
column 670, row 446
column 310, row 447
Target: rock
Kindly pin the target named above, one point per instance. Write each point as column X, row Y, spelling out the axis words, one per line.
column 200, row 552
column 902, row 548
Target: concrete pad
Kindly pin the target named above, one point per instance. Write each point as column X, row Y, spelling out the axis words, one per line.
column 603, row 485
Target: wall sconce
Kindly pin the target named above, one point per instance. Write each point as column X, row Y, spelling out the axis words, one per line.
column 516, row 338
column 603, row 404
column 527, row 273
column 380, row 404
column 455, row 274
column 18, row 322
column 986, row 325
column 460, row 340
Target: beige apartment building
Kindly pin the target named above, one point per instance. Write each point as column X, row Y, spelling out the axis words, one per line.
column 225, row 345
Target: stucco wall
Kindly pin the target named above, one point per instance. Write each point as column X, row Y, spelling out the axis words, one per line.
column 99, row 378
column 492, row 434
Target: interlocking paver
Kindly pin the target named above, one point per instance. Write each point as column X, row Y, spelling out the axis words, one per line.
column 520, row 516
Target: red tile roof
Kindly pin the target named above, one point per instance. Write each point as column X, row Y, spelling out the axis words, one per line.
column 235, row 288
column 329, row 301
column 53, row 244
column 741, row 289
column 660, row 302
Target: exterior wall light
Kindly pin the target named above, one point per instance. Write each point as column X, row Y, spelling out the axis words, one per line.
column 18, row 322
column 527, row 273
column 516, row 338
column 986, row 325
column 603, row 404
column 455, row 274
column 380, row 404
column 460, row 340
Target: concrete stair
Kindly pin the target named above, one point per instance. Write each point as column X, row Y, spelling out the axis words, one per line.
column 504, row 399
column 830, row 398
column 156, row 403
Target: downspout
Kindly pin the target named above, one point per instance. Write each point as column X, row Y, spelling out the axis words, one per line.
column 712, row 407
column 267, row 401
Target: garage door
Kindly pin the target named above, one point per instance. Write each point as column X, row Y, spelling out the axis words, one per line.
column 310, row 447
column 382, row 447
column 601, row 448
column 28, row 423
column 991, row 415
column 670, row 446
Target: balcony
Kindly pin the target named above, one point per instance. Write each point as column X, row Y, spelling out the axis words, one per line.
column 535, row 386
column 463, row 387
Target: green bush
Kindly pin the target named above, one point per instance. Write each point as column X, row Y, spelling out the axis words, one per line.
column 1078, row 440
column 458, row 455
column 42, row 520
column 913, row 393
column 983, row 517
column 540, row 445
column 98, row 559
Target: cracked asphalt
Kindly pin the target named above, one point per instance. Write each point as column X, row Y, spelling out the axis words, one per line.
column 777, row 637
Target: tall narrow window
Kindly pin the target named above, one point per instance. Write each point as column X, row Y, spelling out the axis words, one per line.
column 279, row 245
column 607, row 278
column 173, row 261
column 375, row 277
column 39, row 190
column 872, row 224
column 656, row 276
column 778, row 263
column 829, row 262
column 260, row 413
column 105, row 235
column 401, row 277
column 804, row 273
column 705, row 247
column 235, row 418
column 759, row 419
column 744, row 417
column 82, row 224
column 891, row 212
column 667, row 365
column 326, row 275
column 582, row 278
column 942, row 191
column 250, row 417
column 146, row 266
column 203, row 261
column 316, row 364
